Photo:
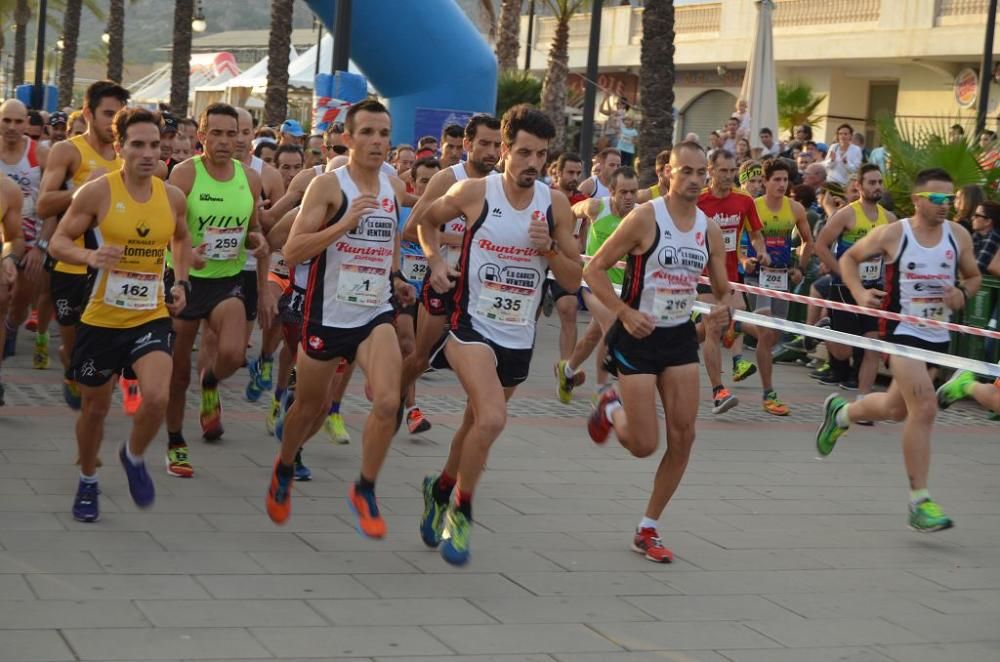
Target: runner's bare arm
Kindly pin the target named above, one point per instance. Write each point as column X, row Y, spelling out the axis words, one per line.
column 13, row 236
column 53, row 200
column 439, row 184
column 632, row 236
column 587, row 187
column 278, row 235
column 182, row 176
column 82, row 215
column 805, row 233
column 42, row 154
column 181, row 251
column 293, row 196
column 459, row 198
column 311, row 232
column 404, row 292
column 273, row 190
column 586, row 209
column 255, row 241
column 717, row 274
column 565, row 262
column 829, row 234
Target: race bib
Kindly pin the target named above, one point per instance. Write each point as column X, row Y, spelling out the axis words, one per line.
column 414, row 267
column 774, row 279
column 671, row 304
column 361, row 284
column 870, row 270
column 931, row 308
column 131, row 290
column 223, row 243
column 729, row 239
column 278, row 265
column 507, row 304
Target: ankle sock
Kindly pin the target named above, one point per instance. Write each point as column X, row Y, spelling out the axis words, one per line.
column 716, row 389
column 648, row 523
column 209, row 380
column 364, row 485
column 334, row 408
column 916, row 496
column 611, row 408
column 463, row 501
column 285, row 470
column 568, row 371
column 175, row 439
column 90, row 480
column 278, row 392
column 736, row 360
column 842, row 419
column 135, row 460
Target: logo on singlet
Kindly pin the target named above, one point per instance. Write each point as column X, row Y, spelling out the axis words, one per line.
column 519, row 276
column 208, row 197
column 142, row 229
column 496, row 212
column 684, row 257
column 374, row 228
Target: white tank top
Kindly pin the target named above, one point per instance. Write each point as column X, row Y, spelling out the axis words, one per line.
column 663, row 282
column 916, row 280
column 349, row 282
column 502, row 273
column 27, row 174
column 257, row 165
column 600, row 190
column 455, row 226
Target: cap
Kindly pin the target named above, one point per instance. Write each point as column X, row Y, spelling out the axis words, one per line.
column 292, row 128
column 749, row 170
column 424, row 153
column 169, row 123
column 834, row 188
column 58, row 117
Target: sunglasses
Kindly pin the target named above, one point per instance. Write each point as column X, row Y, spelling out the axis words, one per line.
column 937, row 198
column 316, row 152
column 337, row 149
column 982, row 216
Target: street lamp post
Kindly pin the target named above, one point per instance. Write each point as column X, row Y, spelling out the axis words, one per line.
column 342, row 36
column 590, row 87
column 986, row 68
column 38, row 90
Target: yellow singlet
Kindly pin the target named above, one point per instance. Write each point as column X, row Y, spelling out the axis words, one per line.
column 131, row 293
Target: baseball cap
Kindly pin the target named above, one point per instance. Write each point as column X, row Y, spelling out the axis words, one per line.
column 292, row 128
column 58, row 117
column 169, row 123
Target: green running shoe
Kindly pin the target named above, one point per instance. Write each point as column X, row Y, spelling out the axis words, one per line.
column 336, row 430
column 455, row 539
column 927, row 517
column 955, row 389
column 272, row 415
column 829, row 431
column 743, row 369
column 432, row 521
column 564, row 384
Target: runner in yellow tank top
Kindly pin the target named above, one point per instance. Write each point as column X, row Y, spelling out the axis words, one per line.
column 126, row 323
column 70, row 164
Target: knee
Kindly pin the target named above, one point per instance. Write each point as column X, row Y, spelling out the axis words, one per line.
column 680, row 439
column 925, row 409
column 407, row 346
column 491, row 423
column 897, row 411
column 155, row 399
column 233, row 355
column 644, row 448
column 385, row 406
column 95, row 410
column 180, row 378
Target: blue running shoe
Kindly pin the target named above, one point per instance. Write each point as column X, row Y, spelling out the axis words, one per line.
column 432, row 521
column 287, row 399
column 71, row 394
column 302, row 472
column 255, row 388
column 10, row 343
column 455, row 539
column 140, row 483
column 85, row 506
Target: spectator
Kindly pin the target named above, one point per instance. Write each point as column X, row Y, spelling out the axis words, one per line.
column 691, row 138
column 803, row 161
column 771, row 148
column 627, row 139
column 802, row 133
column 742, row 150
column 859, row 140
column 314, row 151
column 290, row 133
column 967, row 200
column 77, row 125
column 714, row 140
column 956, row 133
column 814, row 176
column 743, row 115
column 986, row 233
column 264, row 151
column 844, row 158
column 731, row 135
column 404, row 158
column 879, row 157
column 989, row 159
column 616, row 119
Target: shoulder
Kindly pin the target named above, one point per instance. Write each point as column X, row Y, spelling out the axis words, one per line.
column 63, row 152
column 797, row 208
column 327, row 184
column 9, row 190
column 93, row 191
column 174, row 195
column 249, row 172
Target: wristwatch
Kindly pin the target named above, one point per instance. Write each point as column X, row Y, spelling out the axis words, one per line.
column 186, row 285
column 42, row 245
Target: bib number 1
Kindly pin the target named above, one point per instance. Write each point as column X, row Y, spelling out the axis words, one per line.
column 131, row 290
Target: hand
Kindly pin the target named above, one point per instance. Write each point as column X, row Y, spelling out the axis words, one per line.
column 443, row 277
column 258, row 245
column 823, row 269
column 179, row 300
column 33, row 262
column 538, row 233
column 264, row 204
column 267, row 309
column 795, row 275
column 198, row 257
column 405, row 293
column 750, row 265
column 954, row 298
column 104, row 257
column 871, row 298
column 638, row 324
column 360, row 206
column 764, row 259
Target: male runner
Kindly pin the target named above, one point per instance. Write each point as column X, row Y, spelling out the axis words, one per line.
column 452, row 145
column 70, row 164
column 126, row 322
column 923, row 257
column 569, row 169
column 963, row 385
column 601, row 217
column 780, row 215
column 752, row 178
column 23, row 161
column 844, row 229
column 347, row 226
column 482, row 143
column 662, row 184
column 597, row 185
column 517, row 228
column 653, row 344
column 222, row 196
column 735, row 213
column 12, row 245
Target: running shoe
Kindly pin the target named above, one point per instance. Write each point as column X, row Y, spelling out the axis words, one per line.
column 140, row 483
column 337, row 431
column 85, row 505
column 743, row 369
column 287, row 399
column 927, row 517
column 272, row 415
column 10, row 343
column 647, row 542
column 565, row 385
column 211, row 414
column 131, row 397
column 829, row 431
column 178, row 463
column 822, row 370
column 365, row 508
column 40, row 357
column 731, row 333
column 32, row 323
column 416, row 422
column 279, row 496
column 255, row 388
column 455, row 537
column 801, row 344
column 772, row 405
column 823, row 323
column 723, row 401
column 828, row 378
column 599, row 425
column 266, row 373
column 302, row 472
column 71, row 394
column 432, row 521
column 849, row 384
column 955, row 389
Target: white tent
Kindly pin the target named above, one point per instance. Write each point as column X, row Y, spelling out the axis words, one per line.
column 759, row 84
column 206, row 68
column 302, row 71
column 254, row 76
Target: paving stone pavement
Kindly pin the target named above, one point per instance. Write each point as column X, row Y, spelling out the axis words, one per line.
column 780, row 557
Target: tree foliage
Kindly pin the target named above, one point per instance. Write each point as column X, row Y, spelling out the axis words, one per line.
column 796, row 104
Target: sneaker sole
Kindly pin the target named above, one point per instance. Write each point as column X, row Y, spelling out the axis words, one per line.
column 173, row 473
column 726, row 406
column 424, row 426
column 944, row 527
column 748, row 374
column 640, row 550
column 826, row 405
column 357, row 522
column 87, row 520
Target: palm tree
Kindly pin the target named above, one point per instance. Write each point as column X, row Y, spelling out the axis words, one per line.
column 656, row 85
column 116, row 43
column 514, row 87
column 554, row 85
column 71, row 38
column 22, row 14
column 796, row 105
column 180, row 68
column 278, row 45
column 508, row 44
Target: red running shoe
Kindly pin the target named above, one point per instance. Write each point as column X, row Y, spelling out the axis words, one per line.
column 647, row 542
column 599, row 425
column 131, row 397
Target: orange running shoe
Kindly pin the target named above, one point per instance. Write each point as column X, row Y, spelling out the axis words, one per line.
column 279, row 496
column 416, row 422
column 32, row 323
column 363, row 505
column 131, row 397
column 647, row 542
